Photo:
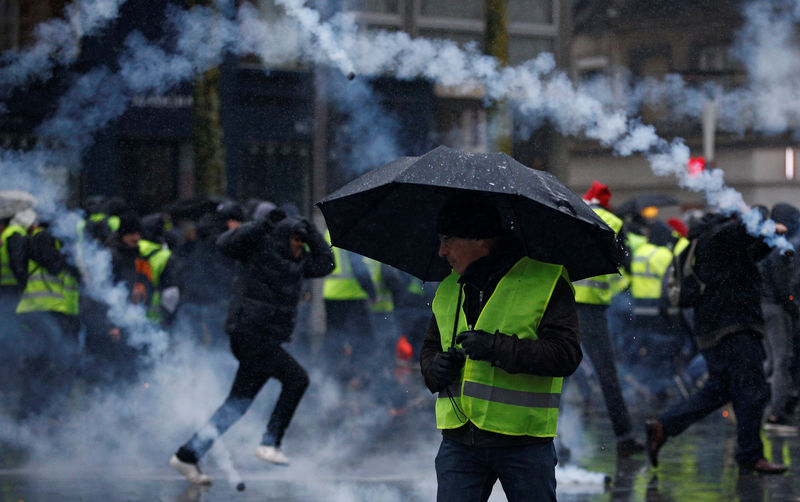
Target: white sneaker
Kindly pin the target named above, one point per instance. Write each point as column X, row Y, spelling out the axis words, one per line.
column 189, row 470
column 272, row 454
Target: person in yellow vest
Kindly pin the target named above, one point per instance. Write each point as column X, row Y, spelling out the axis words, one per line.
column 13, row 277
column 115, row 361
column 593, row 296
column 658, row 340
column 48, row 314
column 13, row 259
column 347, row 292
column 159, row 256
column 504, row 333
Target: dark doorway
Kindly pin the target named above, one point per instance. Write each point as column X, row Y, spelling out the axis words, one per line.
column 147, row 173
column 276, row 170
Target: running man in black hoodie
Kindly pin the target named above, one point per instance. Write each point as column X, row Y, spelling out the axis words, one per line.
column 276, row 255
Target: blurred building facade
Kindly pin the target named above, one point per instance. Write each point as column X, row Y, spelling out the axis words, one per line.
column 628, row 40
column 279, row 130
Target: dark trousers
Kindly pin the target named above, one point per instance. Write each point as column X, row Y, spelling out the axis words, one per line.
column 253, row 373
column 49, row 362
column 596, row 344
column 780, row 355
column 349, row 339
column 735, row 374
column 468, row 473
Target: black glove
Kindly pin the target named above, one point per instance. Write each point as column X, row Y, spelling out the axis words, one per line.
column 478, row 344
column 447, row 366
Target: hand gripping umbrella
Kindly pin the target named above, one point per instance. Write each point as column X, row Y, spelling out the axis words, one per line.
column 389, row 213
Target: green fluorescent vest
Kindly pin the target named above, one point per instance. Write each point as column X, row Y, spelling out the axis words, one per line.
column 157, row 257
column 491, row 398
column 341, row 284
column 600, row 289
column 7, row 277
column 648, row 266
column 49, row 293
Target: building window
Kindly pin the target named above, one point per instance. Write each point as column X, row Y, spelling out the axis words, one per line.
column 461, row 38
column 530, row 11
column 789, row 164
column 9, row 24
column 373, row 6
column 463, row 9
column 276, row 170
column 713, row 58
column 521, row 49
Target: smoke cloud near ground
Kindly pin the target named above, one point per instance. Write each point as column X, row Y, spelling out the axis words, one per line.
column 143, row 424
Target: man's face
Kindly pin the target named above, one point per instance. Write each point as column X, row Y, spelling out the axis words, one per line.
column 131, row 240
column 296, row 245
column 460, row 252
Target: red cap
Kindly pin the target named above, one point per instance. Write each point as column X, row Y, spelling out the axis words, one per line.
column 598, row 193
column 678, row 226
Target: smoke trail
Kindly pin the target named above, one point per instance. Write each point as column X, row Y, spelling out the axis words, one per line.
column 55, row 43
column 368, row 137
column 537, row 88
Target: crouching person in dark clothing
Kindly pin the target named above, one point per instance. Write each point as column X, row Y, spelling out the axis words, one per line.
column 276, row 256
column 504, row 332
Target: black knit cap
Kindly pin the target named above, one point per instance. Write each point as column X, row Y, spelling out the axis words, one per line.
column 129, row 223
column 470, row 215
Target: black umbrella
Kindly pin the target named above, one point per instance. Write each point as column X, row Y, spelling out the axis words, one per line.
column 636, row 204
column 389, row 213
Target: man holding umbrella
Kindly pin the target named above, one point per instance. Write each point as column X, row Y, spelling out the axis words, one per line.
column 499, row 380
column 504, row 329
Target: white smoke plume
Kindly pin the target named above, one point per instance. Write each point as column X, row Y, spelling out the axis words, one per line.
column 55, row 43
column 148, row 422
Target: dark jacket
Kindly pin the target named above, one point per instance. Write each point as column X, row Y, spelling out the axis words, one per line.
column 556, row 352
column 127, row 266
column 263, row 306
column 726, row 258
column 17, row 246
column 206, row 273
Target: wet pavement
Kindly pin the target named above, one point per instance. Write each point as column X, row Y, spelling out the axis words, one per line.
column 697, row 465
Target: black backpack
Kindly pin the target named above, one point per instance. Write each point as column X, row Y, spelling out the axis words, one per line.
column 681, row 287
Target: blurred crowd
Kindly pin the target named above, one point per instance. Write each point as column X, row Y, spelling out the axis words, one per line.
column 641, row 347
column 58, row 338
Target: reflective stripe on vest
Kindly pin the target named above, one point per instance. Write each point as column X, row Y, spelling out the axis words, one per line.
column 45, row 292
column 7, row 277
column 600, row 289
column 341, row 284
column 492, row 399
column 648, row 266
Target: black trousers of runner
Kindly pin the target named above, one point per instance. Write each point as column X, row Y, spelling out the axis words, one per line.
column 252, row 375
column 596, row 344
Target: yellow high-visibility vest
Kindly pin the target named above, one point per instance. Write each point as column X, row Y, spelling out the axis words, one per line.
column 491, row 398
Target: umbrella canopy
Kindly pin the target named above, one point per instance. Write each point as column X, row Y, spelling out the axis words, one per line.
column 14, row 201
column 389, row 214
column 636, row 204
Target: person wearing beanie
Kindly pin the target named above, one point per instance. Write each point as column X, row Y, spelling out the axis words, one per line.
column 48, row 315
column 593, row 296
column 779, row 280
column 275, row 256
column 113, row 360
column 504, row 333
